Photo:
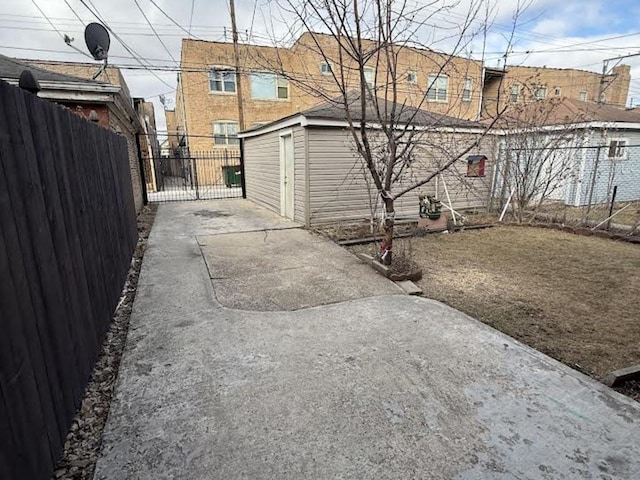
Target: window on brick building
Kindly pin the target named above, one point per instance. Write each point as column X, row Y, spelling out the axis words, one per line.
column 369, row 76
column 412, row 77
column 325, row 68
column 467, row 90
column 515, row 93
column 540, row 92
column 557, row 91
column 222, row 80
column 225, row 133
column 438, row 88
column 617, row 148
column 268, row 86
column 583, row 96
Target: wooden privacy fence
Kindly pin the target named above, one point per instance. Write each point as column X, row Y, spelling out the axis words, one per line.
column 67, row 234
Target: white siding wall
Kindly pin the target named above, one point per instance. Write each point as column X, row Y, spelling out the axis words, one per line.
column 262, row 171
column 338, row 189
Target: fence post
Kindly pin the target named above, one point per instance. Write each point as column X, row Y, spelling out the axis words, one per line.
column 143, row 177
column 194, row 163
column 613, row 202
column 242, row 179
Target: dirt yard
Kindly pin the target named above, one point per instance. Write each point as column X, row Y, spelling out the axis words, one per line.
column 574, row 298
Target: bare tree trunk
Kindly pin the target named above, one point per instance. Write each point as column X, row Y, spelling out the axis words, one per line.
column 386, row 253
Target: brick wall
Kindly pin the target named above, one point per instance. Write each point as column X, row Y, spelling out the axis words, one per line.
column 84, row 110
column 136, row 180
column 302, row 63
column 569, row 82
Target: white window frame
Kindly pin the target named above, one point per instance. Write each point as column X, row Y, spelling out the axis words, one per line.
column 621, row 151
column 540, row 88
column 325, row 68
column 557, row 91
column 514, row 93
column 464, row 96
column 277, row 87
column 372, row 74
column 226, row 133
column 221, row 69
column 410, row 80
column 432, row 81
column 581, row 94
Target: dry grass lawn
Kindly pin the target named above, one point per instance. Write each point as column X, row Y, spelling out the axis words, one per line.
column 574, row 298
column 575, row 215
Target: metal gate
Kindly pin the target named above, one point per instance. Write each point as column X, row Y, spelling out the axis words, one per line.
column 179, row 175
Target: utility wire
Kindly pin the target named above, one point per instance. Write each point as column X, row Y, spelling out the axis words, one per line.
column 193, row 3
column 126, row 47
column 173, row 21
column 74, row 12
column 166, row 49
column 65, row 38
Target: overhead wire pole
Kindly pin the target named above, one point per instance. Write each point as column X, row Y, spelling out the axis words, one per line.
column 236, row 54
column 605, row 70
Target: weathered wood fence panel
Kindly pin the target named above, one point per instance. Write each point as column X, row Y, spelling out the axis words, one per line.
column 67, row 234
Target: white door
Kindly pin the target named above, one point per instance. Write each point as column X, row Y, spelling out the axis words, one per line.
column 286, row 175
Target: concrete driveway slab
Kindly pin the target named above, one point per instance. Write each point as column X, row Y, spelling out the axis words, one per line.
column 383, row 387
column 286, row 270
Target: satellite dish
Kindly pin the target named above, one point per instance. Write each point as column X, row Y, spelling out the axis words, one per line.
column 97, row 39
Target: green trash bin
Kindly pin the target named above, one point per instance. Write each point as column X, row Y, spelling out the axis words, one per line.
column 232, row 175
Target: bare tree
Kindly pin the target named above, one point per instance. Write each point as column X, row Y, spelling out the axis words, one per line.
column 364, row 45
column 540, row 153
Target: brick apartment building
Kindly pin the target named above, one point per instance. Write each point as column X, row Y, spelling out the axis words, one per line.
column 523, row 84
column 207, row 103
column 206, row 97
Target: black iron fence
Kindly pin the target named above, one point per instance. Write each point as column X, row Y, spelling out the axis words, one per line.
column 179, row 174
column 67, row 233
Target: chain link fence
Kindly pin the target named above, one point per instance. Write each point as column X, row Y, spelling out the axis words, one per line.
column 596, row 186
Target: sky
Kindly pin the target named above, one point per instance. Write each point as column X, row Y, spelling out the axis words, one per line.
column 568, row 34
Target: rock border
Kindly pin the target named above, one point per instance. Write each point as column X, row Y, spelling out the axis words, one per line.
column 84, row 440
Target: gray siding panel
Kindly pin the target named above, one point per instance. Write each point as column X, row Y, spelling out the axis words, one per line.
column 299, row 183
column 338, row 183
column 262, row 170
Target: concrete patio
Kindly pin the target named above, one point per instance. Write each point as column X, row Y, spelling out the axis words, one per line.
column 258, row 350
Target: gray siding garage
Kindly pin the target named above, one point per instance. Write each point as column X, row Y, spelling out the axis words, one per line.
column 305, row 167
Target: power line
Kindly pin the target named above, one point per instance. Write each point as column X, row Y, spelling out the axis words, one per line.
column 126, row 47
column 74, row 12
column 154, row 32
column 65, row 38
column 48, row 20
column 193, row 3
column 173, row 21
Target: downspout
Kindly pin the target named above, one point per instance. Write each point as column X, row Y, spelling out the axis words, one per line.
column 479, row 114
column 184, row 112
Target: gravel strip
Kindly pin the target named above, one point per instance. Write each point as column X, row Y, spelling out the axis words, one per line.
column 82, row 445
